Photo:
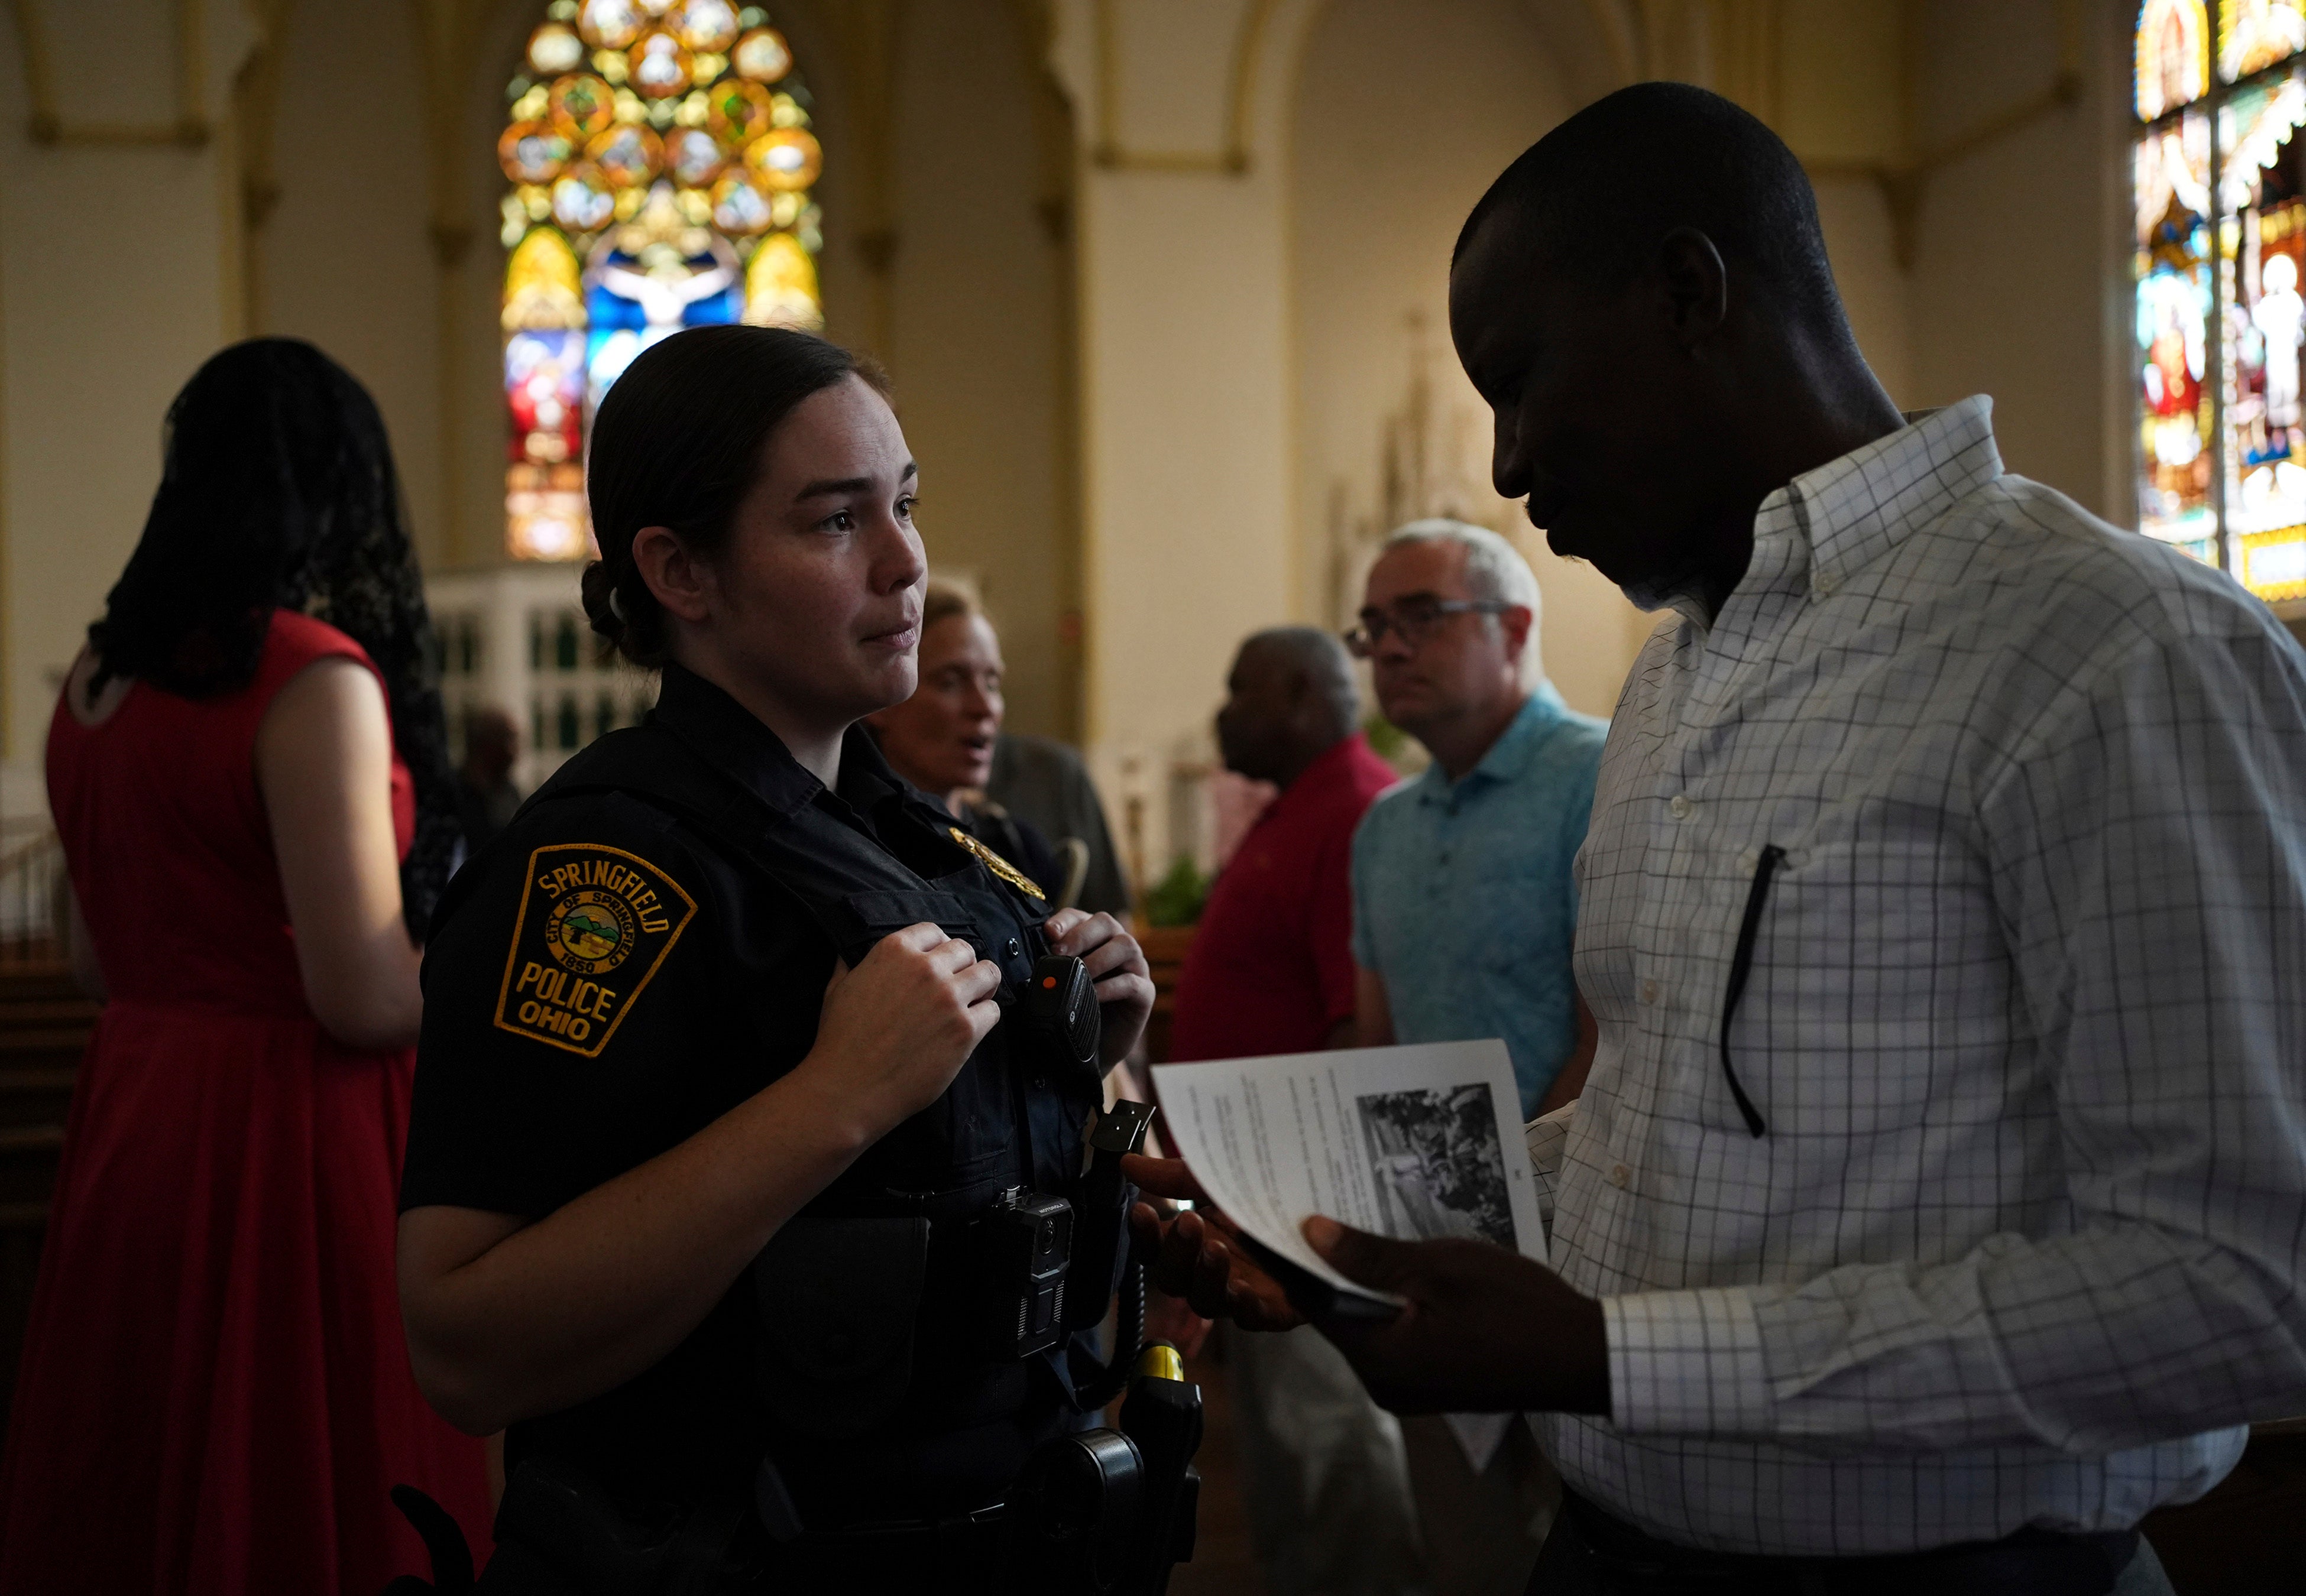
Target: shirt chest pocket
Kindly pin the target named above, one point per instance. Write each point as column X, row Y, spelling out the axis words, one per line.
column 864, row 918
column 1854, row 968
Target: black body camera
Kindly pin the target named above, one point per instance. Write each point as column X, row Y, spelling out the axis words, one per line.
column 1030, row 1235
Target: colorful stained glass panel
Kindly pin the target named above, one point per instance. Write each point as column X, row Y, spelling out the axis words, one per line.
column 2260, row 267
column 582, row 199
column 554, row 49
column 544, row 288
column 708, row 25
column 659, row 67
column 626, row 155
column 763, row 56
column 581, row 105
column 2172, row 324
column 545, row 393
column 738, row 111
column 530, row 152
column 740, row 207
column 785, row 159
column 544, row 512
column 656, row 182
column 2255, row 34
column 694, row 155
column 610, row 24
column 2172, row 55
column 2274, row 563
column 780, row 286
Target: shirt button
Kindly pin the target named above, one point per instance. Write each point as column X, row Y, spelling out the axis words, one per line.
column 1824, row 583
column 1620, row 1175
column 1649, row 992
column 1681, row 807
column 1015, row 949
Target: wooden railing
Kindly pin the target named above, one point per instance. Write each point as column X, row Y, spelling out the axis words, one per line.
column 34, row 894
column 45, row 1022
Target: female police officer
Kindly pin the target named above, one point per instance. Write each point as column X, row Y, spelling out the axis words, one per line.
column 715, row 1105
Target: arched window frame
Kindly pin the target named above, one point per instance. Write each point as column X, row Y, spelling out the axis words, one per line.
column 659, row 170
column 2219, row 197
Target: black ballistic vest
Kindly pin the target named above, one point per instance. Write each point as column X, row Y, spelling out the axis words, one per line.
column 873, row 1303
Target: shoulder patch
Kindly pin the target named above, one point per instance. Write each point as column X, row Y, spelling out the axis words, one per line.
column 595, row 925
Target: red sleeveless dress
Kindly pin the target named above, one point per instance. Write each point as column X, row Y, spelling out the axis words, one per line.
column 215, row 1394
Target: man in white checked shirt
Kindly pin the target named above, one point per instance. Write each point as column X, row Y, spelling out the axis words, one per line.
column 1936, row 1206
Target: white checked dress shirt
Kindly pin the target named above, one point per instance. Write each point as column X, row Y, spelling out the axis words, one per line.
column 2026, row 1024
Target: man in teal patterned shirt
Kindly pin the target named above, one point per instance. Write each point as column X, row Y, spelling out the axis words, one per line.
column 1464, row 907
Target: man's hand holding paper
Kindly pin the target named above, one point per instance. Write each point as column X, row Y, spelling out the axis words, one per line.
column 1419, row 1142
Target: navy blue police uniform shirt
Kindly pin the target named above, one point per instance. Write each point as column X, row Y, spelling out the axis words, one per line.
column 605, row 982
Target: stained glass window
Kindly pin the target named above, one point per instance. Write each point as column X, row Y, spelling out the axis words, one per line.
column 660, row 164
column 2220, row 263
column 2257, row 34
column 2173, row 55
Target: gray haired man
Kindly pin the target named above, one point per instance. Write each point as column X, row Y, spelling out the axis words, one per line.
column 1463, row 911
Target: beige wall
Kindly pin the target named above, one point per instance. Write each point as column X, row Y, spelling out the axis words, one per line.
column 1148, row 341
column 344, row 259
column 1375, row 205
column 979, row 339
column 2021, row 279
column 117, row 276
column 1185, row 384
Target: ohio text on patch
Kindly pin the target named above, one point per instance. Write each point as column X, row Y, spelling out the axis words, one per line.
column 595, row 924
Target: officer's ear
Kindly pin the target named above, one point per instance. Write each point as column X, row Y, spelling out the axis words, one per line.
column 682, row 581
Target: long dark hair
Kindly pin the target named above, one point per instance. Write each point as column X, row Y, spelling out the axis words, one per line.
column 677, row 442
column 278, row 491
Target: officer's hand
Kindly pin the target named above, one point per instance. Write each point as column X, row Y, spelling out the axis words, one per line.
column 897, row 1028
column 1484, row 1330
column 1193, row 1257
column 1124, row 981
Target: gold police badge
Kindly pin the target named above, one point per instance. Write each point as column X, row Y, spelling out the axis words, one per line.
column 999, row 866
column 595, row 925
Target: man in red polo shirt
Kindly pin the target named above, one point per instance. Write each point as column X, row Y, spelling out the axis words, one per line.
column 1271, row 970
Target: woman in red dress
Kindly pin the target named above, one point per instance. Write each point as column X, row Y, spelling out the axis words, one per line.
column 258, row 812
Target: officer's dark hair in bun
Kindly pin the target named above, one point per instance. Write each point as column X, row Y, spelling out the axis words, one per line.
column 677, row 443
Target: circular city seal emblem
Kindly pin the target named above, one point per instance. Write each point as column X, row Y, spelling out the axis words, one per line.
column 590, row 931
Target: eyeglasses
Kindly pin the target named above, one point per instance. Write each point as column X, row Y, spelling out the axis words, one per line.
column 1416, row 619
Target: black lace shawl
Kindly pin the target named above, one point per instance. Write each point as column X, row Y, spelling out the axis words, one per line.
column 278, row 491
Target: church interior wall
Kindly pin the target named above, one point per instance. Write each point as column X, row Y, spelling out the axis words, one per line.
column 117, row 277
column 1876, row 290
column 1377, row 195
column 345, row 257
column 2021, row 271
column 1837, row 96
column 1185, row 394
column 1147, row 315
column 977, row 340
